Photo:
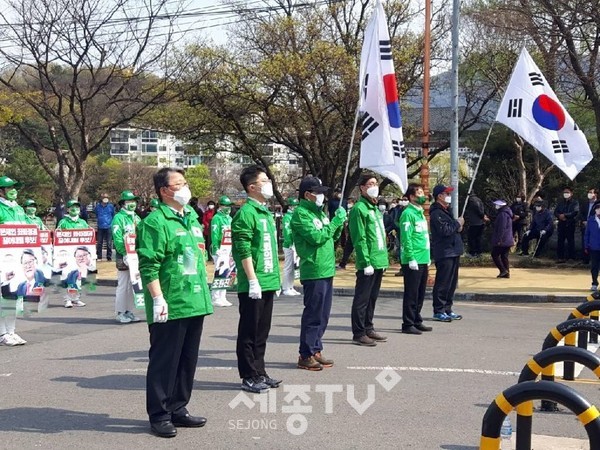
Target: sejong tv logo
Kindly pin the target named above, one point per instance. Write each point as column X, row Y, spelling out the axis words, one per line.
column 297, row 399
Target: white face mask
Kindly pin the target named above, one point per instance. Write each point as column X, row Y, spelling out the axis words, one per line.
column 392, row 206
column 404, row 203
column 518, row 199
column 211, row 206
column 566, row 195
column 497, row 206
column 448, row 199
column 183, row 196
column 591, row 196
column 373, row 191
column 105, row 200
column 538, row 208
column 382, row 208
column 320, row 200
column 267, row 190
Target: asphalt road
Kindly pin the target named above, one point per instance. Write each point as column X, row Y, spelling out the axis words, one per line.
column 80, row 381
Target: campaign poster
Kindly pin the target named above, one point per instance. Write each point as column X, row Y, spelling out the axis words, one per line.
column 23, row 283
column 225, row 270
column 134, row 271
column 74, row 259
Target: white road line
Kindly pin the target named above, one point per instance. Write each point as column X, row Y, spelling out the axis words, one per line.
column 543, row 306
column 145, row 369
column 435, row 369
column 5, row 374
column 559, row 367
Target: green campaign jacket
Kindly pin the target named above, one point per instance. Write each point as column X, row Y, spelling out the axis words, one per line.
column 254, row 235
column 218, row 224
column 288, row 239
column 35, row 220
column 368, row 235
column 414, row 235
column 122, row 224
column 12, row 213
column 314, row 236
column 165, row 242
column 67, row 223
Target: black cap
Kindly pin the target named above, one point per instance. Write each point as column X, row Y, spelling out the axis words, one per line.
column 312, row 184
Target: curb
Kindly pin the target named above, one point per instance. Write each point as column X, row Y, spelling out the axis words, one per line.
column 512, row 297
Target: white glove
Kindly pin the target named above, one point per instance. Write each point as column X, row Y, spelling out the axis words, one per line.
column 413, row 265
column 125, row 260
column 255, row 291
column 161, row 309
column 368, row 271
column 543, row 232
column 526, row 233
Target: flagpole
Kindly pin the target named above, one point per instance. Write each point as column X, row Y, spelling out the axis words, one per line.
column 350, row 151
column 477, row 169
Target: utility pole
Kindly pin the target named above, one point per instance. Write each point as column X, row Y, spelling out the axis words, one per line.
column 424, row 172
column 454, row 130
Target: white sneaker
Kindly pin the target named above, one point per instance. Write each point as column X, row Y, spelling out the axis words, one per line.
column 78, row 303
column 8, row 340
column 18, row 339
column 132, row 317
column 122, row 318
column 68, row 304
column 594, row 288
column 291, row 292
column 222, row 302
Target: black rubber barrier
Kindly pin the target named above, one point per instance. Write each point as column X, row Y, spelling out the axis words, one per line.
column 531, row 371
column 527, row 391
column 585, row 309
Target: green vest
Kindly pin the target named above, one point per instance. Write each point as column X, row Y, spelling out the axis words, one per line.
column 414, row 235
column 168, row 246
column 314, row 237
column 368, row 235
column 67, row 223
column 254, row 236
column 35, row 220
column 121, row 225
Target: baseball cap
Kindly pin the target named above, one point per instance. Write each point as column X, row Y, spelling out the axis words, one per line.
column 312, row 184
column 499, row 202
column 441, row 188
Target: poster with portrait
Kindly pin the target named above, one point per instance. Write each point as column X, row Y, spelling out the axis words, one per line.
column 225, row 270
column 22, row 280
column 134, row 271
column 74, row 259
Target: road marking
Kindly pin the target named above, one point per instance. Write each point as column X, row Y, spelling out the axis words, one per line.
column 559, row 367
column 145, row 369
column 5, row 374
column 543, row 306
column 436, row 369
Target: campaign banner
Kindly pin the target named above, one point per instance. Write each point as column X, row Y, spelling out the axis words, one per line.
column 225, row 270
column 296, row 264
column 74, row 259
column 133, row 263
column 22, row 279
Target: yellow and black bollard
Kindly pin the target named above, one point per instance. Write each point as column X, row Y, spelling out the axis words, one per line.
column 527, row 391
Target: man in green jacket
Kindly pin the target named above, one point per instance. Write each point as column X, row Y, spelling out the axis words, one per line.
column 415, row 259
column 30, row 208
column 219, row 224
column 10, row 213
column 368, row 236
column 170, row 249
column 72, row 220
column 289, row 251
column 124, row 222
column 255, row 253
column 314, row 236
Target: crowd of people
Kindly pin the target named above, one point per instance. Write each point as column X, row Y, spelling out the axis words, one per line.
column 175, row 237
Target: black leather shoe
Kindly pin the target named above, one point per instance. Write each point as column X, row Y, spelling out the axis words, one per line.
column 188, row 421
column 164, row 428
column 411, row 330
column 422, row 327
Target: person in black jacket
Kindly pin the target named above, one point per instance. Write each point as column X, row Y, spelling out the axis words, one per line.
column 567, row 213
column 519, row 218
column 541, row 228
column 586, row 210
column 446, row 249
column 476, row 219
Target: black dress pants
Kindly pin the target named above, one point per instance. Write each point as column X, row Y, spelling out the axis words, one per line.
column 253, row 331
column 415, row 283
column 173, row 357
column 366, row 292
column 446, row 279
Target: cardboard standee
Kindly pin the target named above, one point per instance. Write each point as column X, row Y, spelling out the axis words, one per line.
column 74, row 259
column 225, row 269
column 134, row 270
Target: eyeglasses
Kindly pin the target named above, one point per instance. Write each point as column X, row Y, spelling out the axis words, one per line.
column 178, row 186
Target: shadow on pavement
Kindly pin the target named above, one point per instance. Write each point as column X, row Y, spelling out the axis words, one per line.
column 52, row 420
column 138, row 383
column 274, row 339
column 121, row 356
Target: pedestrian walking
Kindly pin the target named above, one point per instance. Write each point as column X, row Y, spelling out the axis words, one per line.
column 415, row 259
column 368, row 236
column 502, row 237
column 170, row 248
column 314, row 235
column 255, row 253
column 446, row 250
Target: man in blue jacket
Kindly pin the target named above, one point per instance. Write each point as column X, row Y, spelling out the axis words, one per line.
column 541, row 228
column 105, row 211
column 446, row 249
